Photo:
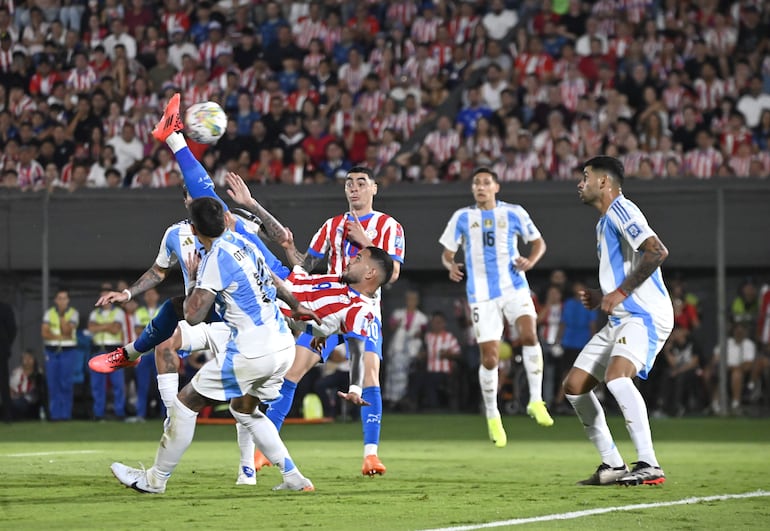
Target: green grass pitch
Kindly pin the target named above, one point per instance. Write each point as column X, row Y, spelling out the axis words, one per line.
column 442, row 472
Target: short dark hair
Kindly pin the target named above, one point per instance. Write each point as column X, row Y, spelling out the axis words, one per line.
column 384, row 263
column 361, row 169
column 486, row 169
column 610, row 165
column 207, row 216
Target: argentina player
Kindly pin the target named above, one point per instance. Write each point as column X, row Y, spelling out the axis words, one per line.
column 497, row 288
column 640, row 319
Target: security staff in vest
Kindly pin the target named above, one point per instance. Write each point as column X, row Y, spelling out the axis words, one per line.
column 106, row 326
column 59, row 331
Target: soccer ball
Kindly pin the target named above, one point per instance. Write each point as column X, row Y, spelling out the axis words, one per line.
column 205, row 122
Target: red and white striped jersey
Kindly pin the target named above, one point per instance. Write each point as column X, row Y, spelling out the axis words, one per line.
column 442, row 53
column 198, row 94
column 403, row 12
column 419, row 71
column 410, row 121
column 209, row 52
column 311, row 61
column 488, row 146
column 353, row 78
column 461, row 28
column 30, row 175
column 702, row 164
column 24, row 104
column 674, row 97
column 730, row 141
column 424, row 30
column 340, row 308
column 384, row 232
column 709, row 94
column 442, row 146
column 636, row 10
column 435, row 343
column 571, row 90
column 658, row 160
column 6, row 60
column 307, row 29
column 386, row 152
column 740, row 165
column 523, row 169
column 82, row 81
column 184, row 79
column 331, row 37
column 632, row 161
column 131, row 102
column 561, row 169
column 721, row 41
column 370, row 102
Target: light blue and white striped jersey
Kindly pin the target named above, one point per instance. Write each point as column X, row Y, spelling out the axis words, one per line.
column 179, row 240
column 619, row 234
column 235, row 270
column 490, row 243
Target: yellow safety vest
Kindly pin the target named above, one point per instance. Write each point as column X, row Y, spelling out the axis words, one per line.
column 54, row 324
column 143, row 315
column 105, row 338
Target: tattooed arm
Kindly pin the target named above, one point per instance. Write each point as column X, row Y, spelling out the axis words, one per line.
column 298, row 311
column 197, row 305
column 654, row 253
column 151, row 278
column 241, row 195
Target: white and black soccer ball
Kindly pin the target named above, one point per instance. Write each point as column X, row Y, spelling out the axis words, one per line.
column 205, row 122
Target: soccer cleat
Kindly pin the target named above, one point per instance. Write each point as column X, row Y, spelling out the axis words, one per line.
column 605, row 475
column 260, row 460
column 246, row 476
column 497, row 432
column 135, row 478
column 300, row 484
column 643, row 474
column 170, row 122
column 538, row 411
column 111, row 361
column 372, row 466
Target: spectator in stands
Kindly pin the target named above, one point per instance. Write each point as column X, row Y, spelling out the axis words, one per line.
column 128, row 148
column 681, row 387
column 336, row 164
column 702, row 162
column 741, row 352
column 473, row 110
column 25, row 387
column 493, row 87
column 499, row 20
column 407, row 326
column 434, row 388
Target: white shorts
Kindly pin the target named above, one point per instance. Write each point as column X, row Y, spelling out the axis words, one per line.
column 631, row 339
column 230, row 374
column 487, row 316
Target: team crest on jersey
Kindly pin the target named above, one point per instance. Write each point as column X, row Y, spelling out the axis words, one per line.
column 344, row 299
column 501, row 223
column 371, row 234
column 633, row 230
column 488, row 223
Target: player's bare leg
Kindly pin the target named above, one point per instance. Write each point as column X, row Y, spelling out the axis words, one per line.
column 489, row 383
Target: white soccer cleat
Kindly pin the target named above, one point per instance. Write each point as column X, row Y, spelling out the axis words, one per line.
column 300, row 483
column 605, row 475
column 135, row 478
column 246, row 476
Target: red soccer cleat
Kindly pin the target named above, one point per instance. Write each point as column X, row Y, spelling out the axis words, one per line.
column 372, row 466
column 170, row 122
column 260, row 460
column 111, row 361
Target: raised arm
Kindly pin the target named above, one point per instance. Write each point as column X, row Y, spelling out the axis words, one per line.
column 239, row 192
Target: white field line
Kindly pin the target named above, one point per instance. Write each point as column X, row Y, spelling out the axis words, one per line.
column 63, row 452
column 590, row 512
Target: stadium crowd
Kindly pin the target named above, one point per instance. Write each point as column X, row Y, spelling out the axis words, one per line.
column 677, row 88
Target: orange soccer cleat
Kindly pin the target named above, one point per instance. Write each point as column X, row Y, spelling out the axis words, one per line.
column 372, row 466
column 260, row 460
column 111, row 361
column 170, row 122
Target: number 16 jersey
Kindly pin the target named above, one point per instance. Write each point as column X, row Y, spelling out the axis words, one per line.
column 489, row 239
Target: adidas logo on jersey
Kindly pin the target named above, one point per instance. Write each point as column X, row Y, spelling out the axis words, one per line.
column 621, row 341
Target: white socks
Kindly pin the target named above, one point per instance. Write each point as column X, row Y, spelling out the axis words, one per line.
column 131, row 352
column 634, row 410
column 533, row 365
column 591, row 414
column 246, row 444
column 168, row 387
column 488, row 382
column 265, row 435
column 176, row 141
column 175, row 440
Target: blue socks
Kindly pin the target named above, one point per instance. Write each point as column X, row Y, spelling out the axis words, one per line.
column 159, row 329
column 371, row 416
column 280, row 407
column 197, row 180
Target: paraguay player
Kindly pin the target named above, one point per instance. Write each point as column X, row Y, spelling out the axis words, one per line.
column 640, row 319
column 342, row 236
column 497, row 289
